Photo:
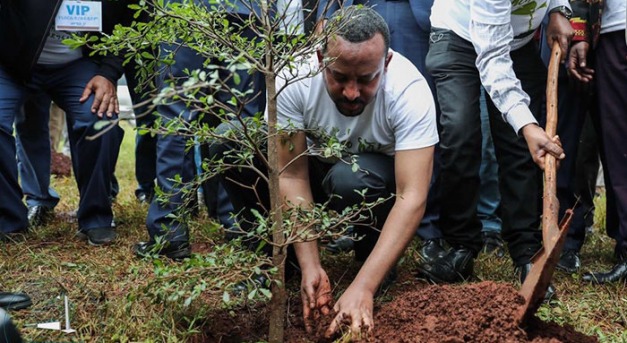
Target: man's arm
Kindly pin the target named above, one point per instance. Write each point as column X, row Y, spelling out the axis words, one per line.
column 413, row 174
column 296, row 191
column 491, row 34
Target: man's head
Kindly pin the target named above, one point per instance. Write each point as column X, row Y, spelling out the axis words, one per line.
column 356, row 55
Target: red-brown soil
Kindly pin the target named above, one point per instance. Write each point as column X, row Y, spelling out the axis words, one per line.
column 60, row 165
column 479, row 312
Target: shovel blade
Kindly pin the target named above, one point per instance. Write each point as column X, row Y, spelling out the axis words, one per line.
column 543, row 266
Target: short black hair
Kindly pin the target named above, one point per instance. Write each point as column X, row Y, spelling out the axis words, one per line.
column 356, row 24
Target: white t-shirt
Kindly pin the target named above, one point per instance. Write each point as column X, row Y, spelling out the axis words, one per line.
column 613, row 17
column 400, row 117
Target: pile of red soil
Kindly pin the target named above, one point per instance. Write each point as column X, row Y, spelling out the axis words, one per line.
column 481, row 312
column 60, row 165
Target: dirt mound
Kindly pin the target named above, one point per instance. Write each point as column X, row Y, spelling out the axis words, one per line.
column 60, row 165
column 480, row 312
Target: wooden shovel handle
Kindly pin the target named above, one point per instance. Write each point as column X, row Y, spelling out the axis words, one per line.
column 550, row 229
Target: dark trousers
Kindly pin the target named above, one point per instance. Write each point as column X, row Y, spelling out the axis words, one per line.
column 175, row 158
column 145, row 144
column 376, row 175
column 451, row 61
column 93, row 160
column 611, row 75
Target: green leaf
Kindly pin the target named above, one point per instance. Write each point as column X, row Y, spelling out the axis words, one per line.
column 101, row 124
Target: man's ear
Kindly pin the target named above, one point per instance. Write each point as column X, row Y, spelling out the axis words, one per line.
column 320, row 57
column 388, row 58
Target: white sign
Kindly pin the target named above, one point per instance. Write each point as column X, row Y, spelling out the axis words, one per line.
column 79, row 16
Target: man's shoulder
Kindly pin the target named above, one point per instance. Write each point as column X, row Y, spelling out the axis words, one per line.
column 401, row 74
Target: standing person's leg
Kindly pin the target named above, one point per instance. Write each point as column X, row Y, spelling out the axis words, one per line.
column 451, row 63
column 519, row 177
column 145, row 144
column 489, row 195
column 411, row 39
column 33, row 153
column 611, row 75
column 12, row 209
column 586, row 172
column 93, row 160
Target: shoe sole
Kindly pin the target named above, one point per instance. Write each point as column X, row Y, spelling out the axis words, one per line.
column 18, row 306
column 83, row 236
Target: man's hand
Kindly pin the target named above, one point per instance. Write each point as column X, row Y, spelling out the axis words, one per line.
column 560, row 30
column 354, row 307
column 105, row 97
column 577, row 63
column 315, row 290
column 540, row 144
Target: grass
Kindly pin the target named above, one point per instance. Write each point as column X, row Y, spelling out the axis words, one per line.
column 113, row 295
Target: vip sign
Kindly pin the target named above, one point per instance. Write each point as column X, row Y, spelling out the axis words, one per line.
column 79, row 16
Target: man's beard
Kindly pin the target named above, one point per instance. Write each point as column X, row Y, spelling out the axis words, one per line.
column 350, row 112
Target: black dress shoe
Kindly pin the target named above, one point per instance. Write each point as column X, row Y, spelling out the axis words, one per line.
column 456, row 266
column 493, row 244
column 14, row 301
column 8, row 331
column 176, row 250
column 618, row 273
column 39, row 215
column 431, row 250
column 257, row 281
column 524, row 270
column 143, row 197
column 341, row 244
column 98, row 236
column 569, row 261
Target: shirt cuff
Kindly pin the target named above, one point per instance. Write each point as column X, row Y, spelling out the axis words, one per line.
column 557, row 3
column 520, row 116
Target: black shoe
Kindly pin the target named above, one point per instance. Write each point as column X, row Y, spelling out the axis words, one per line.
column 177, row 250
column 143, row 197
column 569, row 261
column 99, row 236
column 618, row 273
column 456, row 266
column 524, row 270
column 14, row 301
column 12, row 236
column 493, row 244
column 39, row 215
column 257, row 281
column 341, row 244
column 431, row 250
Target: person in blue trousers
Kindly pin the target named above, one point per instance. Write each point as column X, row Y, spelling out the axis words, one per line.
column 33, row 154
column 164, row 221
column 34, row 60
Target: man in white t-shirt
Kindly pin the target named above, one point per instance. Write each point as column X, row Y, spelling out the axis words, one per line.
column 489, row 44
column 376, row 102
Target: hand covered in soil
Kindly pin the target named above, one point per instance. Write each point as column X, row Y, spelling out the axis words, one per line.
column 315, row 290
column 540, row 144
column 354, row 308
column 105, row 96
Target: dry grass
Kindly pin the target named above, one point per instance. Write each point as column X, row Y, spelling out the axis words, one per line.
column 110, row 302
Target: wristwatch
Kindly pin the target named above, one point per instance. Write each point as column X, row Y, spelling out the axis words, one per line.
column 564, row 10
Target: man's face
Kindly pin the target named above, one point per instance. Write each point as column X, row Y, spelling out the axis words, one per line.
column 354, row 72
